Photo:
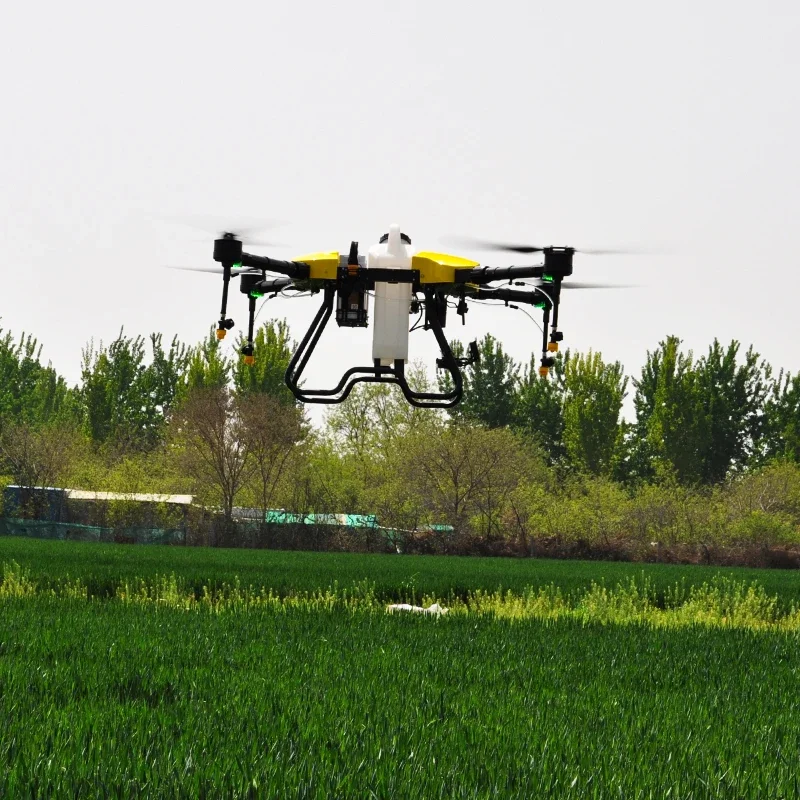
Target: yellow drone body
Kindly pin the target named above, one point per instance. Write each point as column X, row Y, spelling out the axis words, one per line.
column 392, row 300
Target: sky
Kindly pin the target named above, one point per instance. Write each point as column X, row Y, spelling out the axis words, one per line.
column 673, row 127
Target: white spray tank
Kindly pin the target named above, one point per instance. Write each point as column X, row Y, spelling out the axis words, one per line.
column 392, row 300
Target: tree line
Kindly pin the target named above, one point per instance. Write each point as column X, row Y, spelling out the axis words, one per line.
column 709, row 461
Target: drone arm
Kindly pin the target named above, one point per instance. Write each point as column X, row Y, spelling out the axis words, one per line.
column 268, row 286
column 511, row 295
column 489, row 274
column 549, row 302
column 294, row 269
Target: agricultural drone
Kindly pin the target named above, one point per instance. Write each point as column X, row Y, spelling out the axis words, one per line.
column 404, row 283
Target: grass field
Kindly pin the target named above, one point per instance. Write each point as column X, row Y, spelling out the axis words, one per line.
column 150, row 694
column 102, row 566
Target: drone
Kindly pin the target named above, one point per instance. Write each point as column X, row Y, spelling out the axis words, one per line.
column 404, row 282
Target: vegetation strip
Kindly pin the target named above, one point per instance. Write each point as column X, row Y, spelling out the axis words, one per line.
column 722, row 602
column 705, row 469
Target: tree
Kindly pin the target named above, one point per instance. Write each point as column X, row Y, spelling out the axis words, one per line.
column 699, row 420
column 539, row 407
column 490, row 386
column 208, row 366
column 372, row 431
column 113, row 393
column 672, row 427
column 271, row 430
column 165, row 377
column 273, row 351
column 37, row 455
column 733, row 397
column 465, row 475
column 593, row 395
column 782, row 418
column 212, row 448
column 126, row 401
column 30, row 391
column 375, row 416
column 324, row 480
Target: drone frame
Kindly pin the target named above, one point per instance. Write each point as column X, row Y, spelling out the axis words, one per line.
column 435, row 275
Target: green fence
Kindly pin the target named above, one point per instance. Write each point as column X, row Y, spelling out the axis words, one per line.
column 42, row 529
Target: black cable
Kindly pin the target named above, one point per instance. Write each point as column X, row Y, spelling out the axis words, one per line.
column 415, row 326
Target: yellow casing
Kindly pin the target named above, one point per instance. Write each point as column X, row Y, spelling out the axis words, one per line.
column 322, row 266
column 433, row 267
column 439, row 267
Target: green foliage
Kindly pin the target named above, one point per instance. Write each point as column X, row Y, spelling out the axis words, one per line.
column 465, row 476
column 489, row 386
column 165, row 377
column 699, row 420
column 326, row 481
column 102, row 567
column 523, row 462
column 209, row 367
column 29, row 391
column 273, row 349
column 539, row 407
column 782, row 418
column 673, row 428
column 376, row 418
column 113, row 392
column 594, row 392
column 733, row 397
column 125, row 401
column 39, row 455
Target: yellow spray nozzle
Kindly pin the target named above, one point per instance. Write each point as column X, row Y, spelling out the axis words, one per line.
column 544, row 371
column 249, row 360
column 220, row 333
column 552, row 347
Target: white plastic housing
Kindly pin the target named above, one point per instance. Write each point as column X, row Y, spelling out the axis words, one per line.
column 392, row 300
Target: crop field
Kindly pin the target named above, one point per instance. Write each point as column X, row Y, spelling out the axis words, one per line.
column 676, row 683
column 102, row 566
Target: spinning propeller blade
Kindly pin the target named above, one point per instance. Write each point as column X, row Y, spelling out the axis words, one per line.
column 244, row 228
column 217, row 270
column 480, row 244
column 582, row 285
column 505, row 247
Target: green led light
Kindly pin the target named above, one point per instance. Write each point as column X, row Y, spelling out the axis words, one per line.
column 540, row 305
column 256, row 294
column 547, row 278
column 237, row 265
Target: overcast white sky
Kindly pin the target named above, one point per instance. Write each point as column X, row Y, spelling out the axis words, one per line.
column 580, row 123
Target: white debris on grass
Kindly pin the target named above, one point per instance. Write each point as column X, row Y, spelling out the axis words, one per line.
column 432, row 609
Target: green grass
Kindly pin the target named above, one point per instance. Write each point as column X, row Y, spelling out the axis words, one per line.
column 137, row 688
column 102, row 566
column 107, row 699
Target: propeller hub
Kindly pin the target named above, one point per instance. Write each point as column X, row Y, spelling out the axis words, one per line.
column 228, row 249
column 558, row 261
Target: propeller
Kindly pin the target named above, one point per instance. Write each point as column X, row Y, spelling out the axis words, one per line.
column 582, row 285
column 246, row 229
column 506, row 247
column 217, row 270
